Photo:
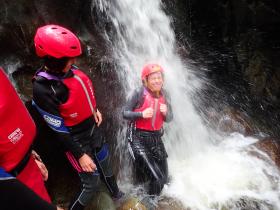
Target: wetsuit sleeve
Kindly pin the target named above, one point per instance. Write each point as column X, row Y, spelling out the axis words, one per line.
column 169, row 114
column 47, row 96
column 15, row 195
column 131, row 104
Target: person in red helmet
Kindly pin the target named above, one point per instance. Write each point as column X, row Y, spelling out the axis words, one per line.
column 147, row 109
column 64, row 96
column 17, row 134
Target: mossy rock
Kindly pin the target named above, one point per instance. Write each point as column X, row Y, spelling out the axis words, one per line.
column 132, row 204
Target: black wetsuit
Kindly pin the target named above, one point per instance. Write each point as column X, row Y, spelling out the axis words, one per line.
column 148, row 151
column 15, row 195
column 82, row 138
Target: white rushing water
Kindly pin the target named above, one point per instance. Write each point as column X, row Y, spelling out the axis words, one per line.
column 206, row 173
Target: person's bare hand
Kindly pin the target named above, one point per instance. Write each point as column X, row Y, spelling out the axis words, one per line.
column 98, row 118
column 41, row 165
column 43, row 169
column 87, row 163
column 148, row 113
column 163, row 109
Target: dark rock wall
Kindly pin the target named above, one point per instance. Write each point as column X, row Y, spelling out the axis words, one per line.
column 238, row 42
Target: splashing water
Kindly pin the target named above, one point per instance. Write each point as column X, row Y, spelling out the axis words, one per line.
column 204, row 175
column 223, row 175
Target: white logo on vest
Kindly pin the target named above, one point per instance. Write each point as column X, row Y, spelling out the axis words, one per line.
column 52, row 121
column 15, row 136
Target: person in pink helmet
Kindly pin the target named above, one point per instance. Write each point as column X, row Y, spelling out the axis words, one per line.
column 147, row 109
column 64, row 96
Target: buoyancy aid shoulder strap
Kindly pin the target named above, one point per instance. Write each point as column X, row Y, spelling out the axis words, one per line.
column 87, row 94
column 48, row 76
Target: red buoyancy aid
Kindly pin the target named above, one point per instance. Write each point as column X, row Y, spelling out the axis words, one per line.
column 31, row 176
column 17, row 129
column 155, row 123
column 81, row 102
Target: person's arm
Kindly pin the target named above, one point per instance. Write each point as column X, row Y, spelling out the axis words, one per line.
column 169, row 113
column 47, row 96
column 131, row 104
column 16, row 195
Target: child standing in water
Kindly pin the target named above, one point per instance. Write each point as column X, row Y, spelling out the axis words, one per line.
column 64, row 96
column 148, row 108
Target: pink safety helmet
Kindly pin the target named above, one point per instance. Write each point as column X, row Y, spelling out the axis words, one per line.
column 56, row 41
column 149, row 69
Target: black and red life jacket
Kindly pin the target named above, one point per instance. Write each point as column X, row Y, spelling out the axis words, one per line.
column 155, row 123
column 81, row 103
column 17, row 129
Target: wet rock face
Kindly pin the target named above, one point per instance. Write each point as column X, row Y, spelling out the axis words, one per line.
column 234, row 121
column 16, row 27
column 170, row 204
column 132, row 204
column 238, row 41
column 271, row 147
column 245, row 203
column 20, row 19
column 230, row 120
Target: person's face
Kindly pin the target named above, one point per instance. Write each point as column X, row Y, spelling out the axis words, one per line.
column 155, row 81
column 70, row 62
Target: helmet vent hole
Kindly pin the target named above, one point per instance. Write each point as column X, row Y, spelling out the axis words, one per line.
column 73, row 47
column 64, row 32
column 41, row 46
column 54, row 28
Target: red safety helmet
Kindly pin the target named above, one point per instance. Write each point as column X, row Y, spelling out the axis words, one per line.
column 149, row 69
column 56, row 41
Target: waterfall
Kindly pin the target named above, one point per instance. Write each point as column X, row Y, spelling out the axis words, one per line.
column 207, row 171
